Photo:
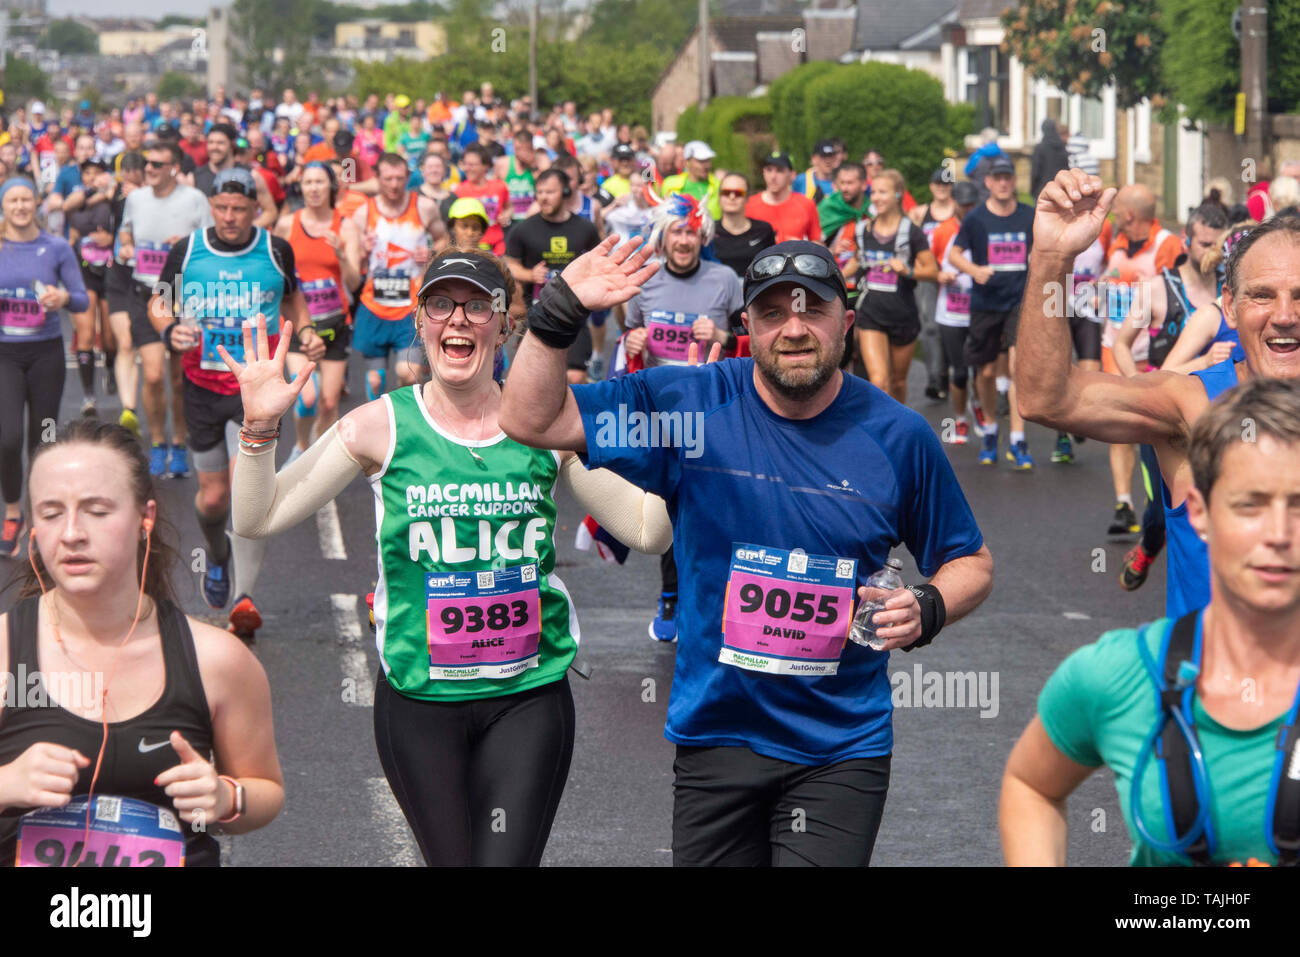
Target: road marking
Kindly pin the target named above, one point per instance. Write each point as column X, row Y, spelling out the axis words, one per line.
column 331, row 535
column 399, row 847
column 356, row 671
column 1076, row 616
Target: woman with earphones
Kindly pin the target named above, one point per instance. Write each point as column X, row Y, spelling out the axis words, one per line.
column 1196, row 717
column 40, row 276
column 893, row 255
column 327, row 257
column 474, row 718
column 114, row 693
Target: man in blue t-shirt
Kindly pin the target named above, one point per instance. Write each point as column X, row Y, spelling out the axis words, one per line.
column 992, row 247
column 788, row 484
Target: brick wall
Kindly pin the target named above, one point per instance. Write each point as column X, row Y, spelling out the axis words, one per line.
column 734, row 74
column 680, row 86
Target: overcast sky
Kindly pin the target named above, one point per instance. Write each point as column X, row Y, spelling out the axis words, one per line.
column 132, row 8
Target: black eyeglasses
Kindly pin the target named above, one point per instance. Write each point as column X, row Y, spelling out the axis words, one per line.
column 441, row 308
column 157, row 164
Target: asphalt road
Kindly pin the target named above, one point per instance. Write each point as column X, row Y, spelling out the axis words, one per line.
column 1044, row 529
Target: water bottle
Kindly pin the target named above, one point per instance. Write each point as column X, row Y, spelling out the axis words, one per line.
column 863, row 630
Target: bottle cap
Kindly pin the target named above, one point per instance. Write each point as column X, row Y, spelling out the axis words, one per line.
column 895, row 564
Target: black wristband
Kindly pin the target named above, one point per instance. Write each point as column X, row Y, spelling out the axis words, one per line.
column 933, row 613
column 167, row 334
column 557, row 317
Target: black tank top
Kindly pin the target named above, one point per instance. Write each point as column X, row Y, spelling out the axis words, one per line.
column 130, row 761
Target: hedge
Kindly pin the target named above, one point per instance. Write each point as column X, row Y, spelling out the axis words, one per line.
column 891, row 108
column 789, row 117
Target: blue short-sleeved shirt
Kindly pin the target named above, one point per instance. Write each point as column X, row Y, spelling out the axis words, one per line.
column 860, row 478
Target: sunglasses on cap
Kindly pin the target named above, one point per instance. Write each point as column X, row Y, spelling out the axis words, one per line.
column 805, row 264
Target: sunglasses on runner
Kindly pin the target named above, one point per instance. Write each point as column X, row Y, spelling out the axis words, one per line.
column 441, row 308
column 814, row 267
column 157, row 164
column 733, row 193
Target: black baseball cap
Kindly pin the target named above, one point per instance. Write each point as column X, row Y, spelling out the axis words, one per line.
column 778, row 159
column 477, row 270
column 965, row 193
column 623, row 152
column 1001, row 164
column 343, row 141
column 940, row 175
column 824, row 148
column 797, row 269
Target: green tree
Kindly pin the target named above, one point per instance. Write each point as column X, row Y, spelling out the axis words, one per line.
column 1202, row 58
column 270, row 41
column 662, row 23
column 175, row 20
column 174, row 85
column 69, row 36
column 788, row 109
column 1084, row 45
column 905, row 115
column 23, row 81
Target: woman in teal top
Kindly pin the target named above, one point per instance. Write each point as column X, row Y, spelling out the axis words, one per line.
column 1230, row 682
column 474, row 719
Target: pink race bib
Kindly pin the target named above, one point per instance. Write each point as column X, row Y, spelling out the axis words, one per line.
column 323, row 298
column 880, row 278
column 959, row 303
column 124, row 832
column 484, row 624
column 149, row 260
column 668, row 335
column 21, row 313
column 786, row 612
column 1008, row 252
column 93, row 255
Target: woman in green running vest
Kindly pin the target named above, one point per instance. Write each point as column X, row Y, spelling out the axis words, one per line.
column 474, row 719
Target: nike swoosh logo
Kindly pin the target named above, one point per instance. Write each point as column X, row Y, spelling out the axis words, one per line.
column 146, row 748
column 753, row 242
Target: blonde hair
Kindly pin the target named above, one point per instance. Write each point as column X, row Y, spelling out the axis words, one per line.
column 1284, row 191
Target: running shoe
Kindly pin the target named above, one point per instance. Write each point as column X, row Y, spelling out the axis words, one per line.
column 989, row 454
column 664, row 627
column 370, row 609
column 1064, row 451
column 596, row 368
column 88, row 408
column 1004, row 405
column 110, row 379
column 245, row 619
column 977, row 414
column 216, row 581
column 936, row 393
column 1019, row 453
column 10, row 537
column 1137, row 563
column 158, row 460
column 178, row 462
column 959, row 435
column 1124, row 522
column 128, row 421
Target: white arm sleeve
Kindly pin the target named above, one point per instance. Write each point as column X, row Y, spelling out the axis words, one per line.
column 635, row 517
column 264, row 503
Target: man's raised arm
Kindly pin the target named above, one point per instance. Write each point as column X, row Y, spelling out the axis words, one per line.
column 1069, row 216
column 537, row 406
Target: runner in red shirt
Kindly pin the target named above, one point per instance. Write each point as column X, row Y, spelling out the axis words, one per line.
column 792, row 215
column 492, row 193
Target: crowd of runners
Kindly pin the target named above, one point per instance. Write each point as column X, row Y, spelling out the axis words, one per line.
column 518, row 283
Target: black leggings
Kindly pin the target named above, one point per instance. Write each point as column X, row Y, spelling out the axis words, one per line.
column 479, row 781
column 1153, row 519
column 953, row 340
column 31, row 377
